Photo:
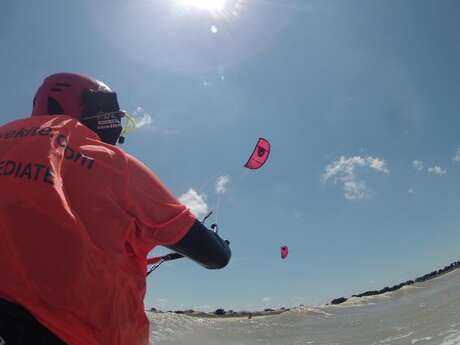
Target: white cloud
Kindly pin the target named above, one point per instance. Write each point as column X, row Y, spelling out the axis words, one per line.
column 456, row 157
column 344, row 171
column 417, row 165
column 195, row 202
column 355, row 190
column 434, row 170
column 142, row 118
column 378, row 165
column 221, row 184
column 411, row 190
column 437, row 171
column 266, row 299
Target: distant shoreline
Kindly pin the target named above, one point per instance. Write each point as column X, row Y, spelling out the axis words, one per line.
column 429, row 276
column 235, row 315
column 238, row 314
column 230, row 314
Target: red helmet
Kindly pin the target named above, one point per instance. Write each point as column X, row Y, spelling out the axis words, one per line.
column 63, row 93
column 87, row 100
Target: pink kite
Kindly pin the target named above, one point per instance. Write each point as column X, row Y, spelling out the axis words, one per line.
column 284, row 252
column 259, row 155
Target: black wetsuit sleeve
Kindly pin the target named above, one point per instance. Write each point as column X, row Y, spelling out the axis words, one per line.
column 204, row 247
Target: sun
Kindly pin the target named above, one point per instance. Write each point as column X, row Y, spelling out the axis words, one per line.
column 207, row 5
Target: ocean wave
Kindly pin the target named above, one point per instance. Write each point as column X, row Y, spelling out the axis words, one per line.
column 393, row 338
column 395, row 319
column 452, row 339
column 310, row 311
column 363, row 301
column 368, row 300
column 170, row 326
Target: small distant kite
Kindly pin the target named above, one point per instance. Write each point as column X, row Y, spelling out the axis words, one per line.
column 284, row 252
column 259, row 155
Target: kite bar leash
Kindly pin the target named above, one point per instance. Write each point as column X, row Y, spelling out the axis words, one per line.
column 158, row 260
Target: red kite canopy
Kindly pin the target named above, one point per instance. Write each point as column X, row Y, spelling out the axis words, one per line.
column 284, row 252
column 259, row 155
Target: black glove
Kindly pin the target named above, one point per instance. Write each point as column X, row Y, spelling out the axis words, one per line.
column 204, row 246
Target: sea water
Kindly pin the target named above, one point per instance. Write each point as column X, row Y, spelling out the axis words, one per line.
column 424, row 314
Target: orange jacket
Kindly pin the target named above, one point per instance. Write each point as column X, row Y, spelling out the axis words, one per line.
column 77, row 220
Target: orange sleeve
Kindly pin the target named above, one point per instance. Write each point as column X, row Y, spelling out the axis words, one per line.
column 158, row 212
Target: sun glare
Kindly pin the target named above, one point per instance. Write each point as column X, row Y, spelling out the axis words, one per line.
column 208, row 5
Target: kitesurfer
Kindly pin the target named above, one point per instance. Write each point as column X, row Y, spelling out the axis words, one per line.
column 78, row 216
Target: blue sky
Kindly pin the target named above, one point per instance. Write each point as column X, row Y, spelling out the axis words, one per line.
column 359, row 100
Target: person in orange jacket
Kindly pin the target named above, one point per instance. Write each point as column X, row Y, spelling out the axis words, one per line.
column 78, row 217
